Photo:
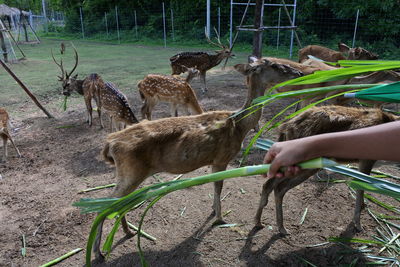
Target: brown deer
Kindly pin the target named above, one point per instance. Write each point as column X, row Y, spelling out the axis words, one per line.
column 5, row 134
column 156, row 88
column 105, row 94
column 62, row 48
column 200, row 60
column 319, row 120
column 330, row 55
column 307, row 67
column 183, row 144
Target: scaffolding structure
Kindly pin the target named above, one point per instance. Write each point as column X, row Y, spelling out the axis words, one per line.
column 291, row 27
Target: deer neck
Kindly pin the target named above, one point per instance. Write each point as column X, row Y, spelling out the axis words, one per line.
column 216, row 59
column 246, row 122
column 79, row 86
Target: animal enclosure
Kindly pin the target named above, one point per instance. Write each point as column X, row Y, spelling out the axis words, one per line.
column 61, row 158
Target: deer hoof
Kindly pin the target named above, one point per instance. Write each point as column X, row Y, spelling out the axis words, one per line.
column 99, row 258
column 258, row 226
column 283, row 231
column 218, row 222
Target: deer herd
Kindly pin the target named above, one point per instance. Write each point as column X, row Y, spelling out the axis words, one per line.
column 182, row 144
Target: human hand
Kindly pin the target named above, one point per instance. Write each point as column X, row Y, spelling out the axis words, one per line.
column 285, row 154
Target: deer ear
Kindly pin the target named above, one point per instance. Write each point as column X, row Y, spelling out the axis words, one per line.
column 343, row 48
column 243, row 68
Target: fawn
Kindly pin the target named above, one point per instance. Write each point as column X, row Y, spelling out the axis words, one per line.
column 5, row 134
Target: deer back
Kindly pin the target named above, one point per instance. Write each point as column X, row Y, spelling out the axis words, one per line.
column 319, row 120
column 320, row 52
column 116, row 104
column 199, row 60
column 92, row 85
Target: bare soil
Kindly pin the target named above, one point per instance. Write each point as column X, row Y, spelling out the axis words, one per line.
column 61, row 157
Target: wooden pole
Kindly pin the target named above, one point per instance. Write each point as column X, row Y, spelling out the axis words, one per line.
column 258, row 23
column 3, row 45
column 25, row 88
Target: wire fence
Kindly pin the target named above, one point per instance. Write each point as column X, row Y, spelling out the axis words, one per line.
column 170, row 26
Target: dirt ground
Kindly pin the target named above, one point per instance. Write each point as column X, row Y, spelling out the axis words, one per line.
column 61, row 157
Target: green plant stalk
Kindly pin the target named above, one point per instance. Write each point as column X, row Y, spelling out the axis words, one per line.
column 23, row 249
column 355, row 240
column 96, row 188
column 380, row 203
column 123, row 205
column 64, row 106
column 143, row 233
column 55, row 261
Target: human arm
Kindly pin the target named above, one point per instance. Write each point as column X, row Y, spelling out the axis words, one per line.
column 381, row 142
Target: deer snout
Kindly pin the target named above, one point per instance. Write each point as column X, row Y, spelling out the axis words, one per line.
column 66, row 93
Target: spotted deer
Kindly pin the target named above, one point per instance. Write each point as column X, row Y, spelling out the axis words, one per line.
column 200, row 60
column 5, row 133
column 330, row 55
column 319, row 120
column 156, row 88
column 183, row 144
column 105, row 94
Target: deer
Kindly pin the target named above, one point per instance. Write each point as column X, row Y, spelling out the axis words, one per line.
column 183, row 144
column 5, row 127
column 200, row 60
column 62, row 48
column 105, row 94
column 156, row 88
column 330, row 55
column 318, row 120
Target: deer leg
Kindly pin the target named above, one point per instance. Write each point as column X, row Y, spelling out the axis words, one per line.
column 98, row 104
column 217, row 195
column 5, row 152
column 203, row 78
column 268, row 186
column 129, row 177
column 89, row 109
column 364, row 166
column 173, row 109
column 280, row 191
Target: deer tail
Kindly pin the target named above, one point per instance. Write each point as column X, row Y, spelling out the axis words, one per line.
column 106, row 154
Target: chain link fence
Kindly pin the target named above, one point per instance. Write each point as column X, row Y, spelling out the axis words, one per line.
column 168, row 25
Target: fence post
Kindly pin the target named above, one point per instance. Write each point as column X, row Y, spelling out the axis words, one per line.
column 165, row 31
column 136, row 25
column 44, row 14
column 116, row 19
column 219, row 21
column 230, row 24
column 83, row 30
column 355, row 28
column 172, row 25
column 105, row 19
column 279, row 25
column 208, row 18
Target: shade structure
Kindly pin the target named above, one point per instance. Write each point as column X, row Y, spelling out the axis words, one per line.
column 383, row 92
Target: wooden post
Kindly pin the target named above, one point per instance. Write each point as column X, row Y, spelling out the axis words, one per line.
column 3, row 45
column 257, row 37
column 25, row 88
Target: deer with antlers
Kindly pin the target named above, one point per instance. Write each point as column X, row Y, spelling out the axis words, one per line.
column 5, row 133
column 105, row 94
column 200, row 60
column 156, row 88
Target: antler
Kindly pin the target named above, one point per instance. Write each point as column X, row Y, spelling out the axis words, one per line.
column 76, row 61
column 60, row 78
column 219, row 44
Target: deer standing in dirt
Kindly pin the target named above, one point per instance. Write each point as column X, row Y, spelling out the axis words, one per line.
column 5, row 133
column 319, row 120
column 183, row 144
column 330, row 55
column 62, row 48
column 156, row 88
column 105, row 94
column 200, row 60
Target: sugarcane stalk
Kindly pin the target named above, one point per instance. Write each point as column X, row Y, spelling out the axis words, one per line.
column 96, row 188
column 55, row 261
